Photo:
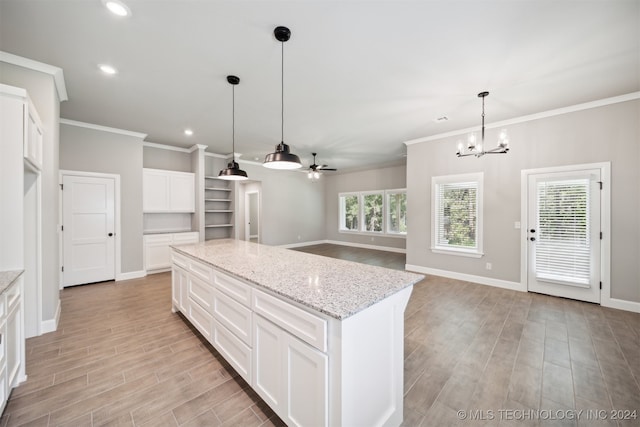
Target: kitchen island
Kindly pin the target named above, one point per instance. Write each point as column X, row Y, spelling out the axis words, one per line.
column 320, row 340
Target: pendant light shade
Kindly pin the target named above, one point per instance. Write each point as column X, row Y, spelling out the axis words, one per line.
column 282, row 158
column 233, row 171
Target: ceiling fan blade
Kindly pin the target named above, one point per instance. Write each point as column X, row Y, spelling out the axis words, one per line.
column 328, row 169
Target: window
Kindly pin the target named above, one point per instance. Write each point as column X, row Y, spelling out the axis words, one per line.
column 456, row 202
column 379, row 212
column 349, row 212
column 396, row 211
column 372, row 205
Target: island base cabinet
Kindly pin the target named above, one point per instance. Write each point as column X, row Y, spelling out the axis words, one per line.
column 179, row 295
column 290, row 375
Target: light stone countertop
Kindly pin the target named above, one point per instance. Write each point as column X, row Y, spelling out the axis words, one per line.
column 334, row 287
column 7, row 278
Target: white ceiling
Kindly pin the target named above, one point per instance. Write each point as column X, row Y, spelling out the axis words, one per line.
column 361, row 77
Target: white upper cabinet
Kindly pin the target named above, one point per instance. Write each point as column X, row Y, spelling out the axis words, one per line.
column 167, row 191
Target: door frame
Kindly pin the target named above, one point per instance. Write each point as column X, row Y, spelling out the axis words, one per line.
column 116, row 195
column 247, row 214
column 605, row 222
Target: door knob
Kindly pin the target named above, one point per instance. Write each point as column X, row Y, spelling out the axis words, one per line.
column 533, row 239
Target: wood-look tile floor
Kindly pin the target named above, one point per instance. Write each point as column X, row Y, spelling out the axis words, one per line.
column 120, row 357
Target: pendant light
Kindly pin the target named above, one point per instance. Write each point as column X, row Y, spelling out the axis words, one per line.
column 282, row 158
column 475, row 149
column 233, row 171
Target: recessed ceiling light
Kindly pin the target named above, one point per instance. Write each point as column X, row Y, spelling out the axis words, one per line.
column 107, row 69
column 117, row 7
column 188, row 132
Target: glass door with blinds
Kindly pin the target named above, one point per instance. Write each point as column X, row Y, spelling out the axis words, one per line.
column 563, row 232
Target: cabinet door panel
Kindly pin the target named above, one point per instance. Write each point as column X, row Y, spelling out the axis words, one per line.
column 233, row 315
column 157, row 254
column 178, row 288
column 200, row 319
column 237, row 353
column 182, row 193
column 155, row 191
column 268, row 377
column 307, row 394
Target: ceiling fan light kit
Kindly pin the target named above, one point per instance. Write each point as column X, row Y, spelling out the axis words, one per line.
column 233, row 171
column 314, row 169
column 282, row 158
column 477, row 150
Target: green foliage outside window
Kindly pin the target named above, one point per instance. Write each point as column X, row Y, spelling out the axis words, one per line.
column 351, row 208
column 398, row 213
column 458, row 215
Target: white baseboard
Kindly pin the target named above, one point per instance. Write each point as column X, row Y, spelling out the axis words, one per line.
column 131, row 275
column 621, row 304
column 51, row 325
column 365, row 246
column 498, row 283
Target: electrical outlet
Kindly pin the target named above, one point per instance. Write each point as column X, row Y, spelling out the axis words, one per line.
column 299, row 237
column 489, row 266
column 516, row 225
column 373, row 239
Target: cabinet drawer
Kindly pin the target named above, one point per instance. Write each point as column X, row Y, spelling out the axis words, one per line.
column 3, row 308
column 306, row 326
column 237, row 353
column 234, row 288
column 185, row 238
column 201, row 271
column 200, row 292
column 233, row 315
column 180, row 260
column 201, row 319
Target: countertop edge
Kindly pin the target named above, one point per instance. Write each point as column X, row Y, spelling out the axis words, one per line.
column 8, row 278
column 338, row 316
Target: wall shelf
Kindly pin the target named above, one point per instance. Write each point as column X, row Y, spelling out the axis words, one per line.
column 218, row 213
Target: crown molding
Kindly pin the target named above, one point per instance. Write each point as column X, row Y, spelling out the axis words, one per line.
column 55, row 72
column 537, row 116
column 102, row 128
column 217, row 156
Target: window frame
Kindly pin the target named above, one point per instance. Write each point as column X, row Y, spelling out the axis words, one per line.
column 341, row 212
column 387, row 213
column 361, row 214
column 436, row 182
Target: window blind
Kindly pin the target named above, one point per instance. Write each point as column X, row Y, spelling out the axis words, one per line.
column 563, row 239
column 457, row 214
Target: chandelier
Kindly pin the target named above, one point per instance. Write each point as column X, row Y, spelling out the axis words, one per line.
column 477, row 149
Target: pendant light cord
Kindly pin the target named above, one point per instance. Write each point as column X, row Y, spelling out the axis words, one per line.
column 282, row 93
column 482, row 140
column 233, row 122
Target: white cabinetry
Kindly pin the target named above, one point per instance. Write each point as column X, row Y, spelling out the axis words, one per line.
column 167, row 191
column 12, row 353
column 157, row 249
column 310, row 368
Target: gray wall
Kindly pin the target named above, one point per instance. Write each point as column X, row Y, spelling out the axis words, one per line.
column 90, row 150
column 609, row 133
column 158, row 158
column 42, row 90
column 292, row 207
column 387, row 178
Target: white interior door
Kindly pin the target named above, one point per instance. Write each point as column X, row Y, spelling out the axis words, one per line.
column 563, row 232
column 88, row 214
column 252, row 216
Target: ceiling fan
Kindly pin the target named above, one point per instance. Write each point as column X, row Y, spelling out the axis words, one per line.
column 315, row 169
